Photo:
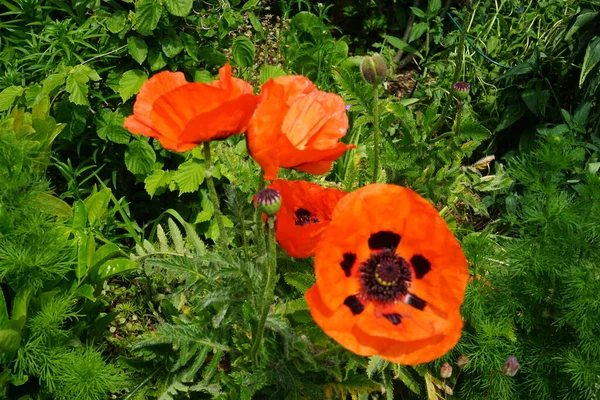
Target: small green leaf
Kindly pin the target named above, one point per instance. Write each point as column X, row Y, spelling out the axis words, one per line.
column 138, row 49
column 172, row 45
column 401, row 44
column 147, row 15
column 592, row 57
column 212, row 56
column 158, row 181
column 140, row 157
column 190, row 44
column 96, row 205
column 53, row 81
column 79, row 215
column 49, row 204
column 179, row 8
column 131, row 82
column 116, row 22
column 270, row 71
column 86, row 291
column 302, row 282
column 511, row 114
column 583, row 18
column 78, row 88
column 536, row 100
column 418, row 12
column 109, row 126
column 243, row 51
column 86, row 247
column 10, row 340
column 520, row 69
column 156, row 59
column 116, row 266
column 249, row 5
column 189, row 176
column 433, row 7
column 259, row 32
column 417, row 31
column 8, row 96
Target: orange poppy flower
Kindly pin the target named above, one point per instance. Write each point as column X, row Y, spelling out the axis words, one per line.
column 181, row 114
column 305, row 212
column 297, row 126
column 390, row 277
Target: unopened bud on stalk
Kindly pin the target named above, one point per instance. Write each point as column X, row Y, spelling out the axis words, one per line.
column 446, row 370
column 268, row 201
column 461, row 90
column 510, row 367
column 462, row 360
column 373, row 69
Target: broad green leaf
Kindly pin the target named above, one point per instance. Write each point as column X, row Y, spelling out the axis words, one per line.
column 79, row 215
column 190, row 44
column 109, row 126
column 536, row 100
column 259, row 32
column 207, row 211
column 417, row 31
column 171, row 45
column 270, row 71
column 8, row 96
column 433, row 7
column 86, row 247
column 89, row 72
column 131, row 82
column 112, row 80
column 3, row 312
column 583, row 18
column 147, row 15
column 520, row 69
column 511, row 114
column 243, row 51
column 418, row 12
column 96, row 205
column 212, row 56
column 249, row 5
column 116, row 266
column 53, row 81
column 179, row 8
column 104, row 253
column 86, row 291
column 189, row 176
column 592, row 57
column 18, row 317
column 137, row 48
column 401, row 44
column 157, row 181
column 156, row 59
column 78, row 88
column 140, row 157
column 10, row 340
column 49, row 204
column 116, row 22
column 582, row 113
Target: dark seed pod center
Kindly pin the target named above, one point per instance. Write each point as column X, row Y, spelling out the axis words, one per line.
column 385, row 277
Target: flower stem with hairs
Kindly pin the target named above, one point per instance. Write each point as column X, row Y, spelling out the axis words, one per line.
column 375, row 132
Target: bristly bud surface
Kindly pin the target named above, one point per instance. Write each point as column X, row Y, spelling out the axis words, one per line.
column 268, row 201
column 446, row 370
column 461, row 90
column 373, row 69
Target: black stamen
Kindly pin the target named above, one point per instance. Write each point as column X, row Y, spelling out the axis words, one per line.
column 303, row 217
column 393, row 318
column 415, row 301
column 385, row 277
column 354, row 305
column 421, row 265
column 384, row 240
column 349, row 260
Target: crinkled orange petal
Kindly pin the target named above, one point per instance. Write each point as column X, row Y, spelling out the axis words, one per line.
column 155, row 87
column 236, row 87
column 301, row 240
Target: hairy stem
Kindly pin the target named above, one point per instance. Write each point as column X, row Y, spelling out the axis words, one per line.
column 269, row 288
column 375, row 132
column 214, row 198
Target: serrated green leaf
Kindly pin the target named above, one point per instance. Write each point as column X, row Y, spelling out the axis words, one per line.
column 140, row 157
column 109, row 126
column 147, row 15
column 417, row 31
column 190, row 44
column 302, row 282
column 243, row 51
column 138, row 49
column 131, row 82
column 171, row 45
column 158, row 180
column 270, row 71
column 189, row 176
column 78, row 88
column 53, row 81
column 8, row 96
column 116, row 22
column 179, row 8
column 156, row 59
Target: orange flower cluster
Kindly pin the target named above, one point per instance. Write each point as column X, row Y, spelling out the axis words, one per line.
column 290, row 125
column 390, row 275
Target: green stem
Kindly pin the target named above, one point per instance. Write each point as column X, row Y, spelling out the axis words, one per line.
column 489, row 391
column 214, row 198
column 269, row 289
column 375, row 132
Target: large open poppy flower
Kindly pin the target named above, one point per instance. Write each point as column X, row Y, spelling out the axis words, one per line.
column 181, row 114
column 390, row 277
column 297, row 126
column 305, row 212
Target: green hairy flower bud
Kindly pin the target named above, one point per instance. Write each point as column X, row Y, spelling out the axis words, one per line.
column 373, row 69
column 268, row 201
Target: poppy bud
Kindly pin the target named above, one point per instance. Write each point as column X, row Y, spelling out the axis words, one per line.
column 268, row 201
column 462, row 360
column 373, row 69
column 510, row 367
column 461, row 90
column 446, row 370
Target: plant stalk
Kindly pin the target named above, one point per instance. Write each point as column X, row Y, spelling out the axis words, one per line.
column 269, row 288
column 214, row 198
column 375, row 132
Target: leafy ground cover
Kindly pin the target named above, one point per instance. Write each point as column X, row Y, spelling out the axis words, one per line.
column 134, row 264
